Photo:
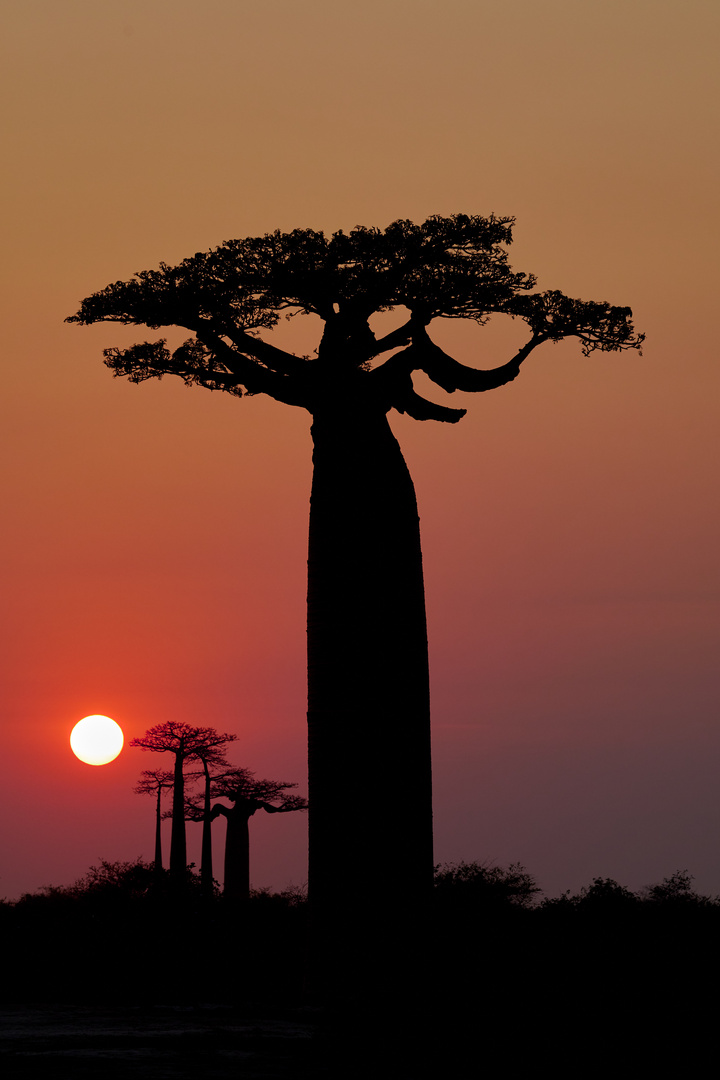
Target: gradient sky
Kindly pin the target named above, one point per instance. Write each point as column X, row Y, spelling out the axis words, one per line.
column 154, row 537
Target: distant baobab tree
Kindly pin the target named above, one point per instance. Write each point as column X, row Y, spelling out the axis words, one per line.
column 209, row 756
column 247, row 796
column 154, row 782
column 186, row 743
column 368, row 691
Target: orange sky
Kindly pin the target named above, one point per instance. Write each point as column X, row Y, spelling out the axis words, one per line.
column 154, row 543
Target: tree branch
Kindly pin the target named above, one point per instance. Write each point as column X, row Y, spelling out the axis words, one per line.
column 406, row 400
column 254, row 376
column 402, row 335
column 270, row 356
column 292, row 803
column 451, row 375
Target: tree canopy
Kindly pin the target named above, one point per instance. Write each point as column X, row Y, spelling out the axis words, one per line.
column 241, row 787
column 182, row 739
column 152, row 782
column 451, row 267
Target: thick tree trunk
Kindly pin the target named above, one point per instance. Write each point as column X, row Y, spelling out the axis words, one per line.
column 178, row 847
column 370, row 799
column 236, row 885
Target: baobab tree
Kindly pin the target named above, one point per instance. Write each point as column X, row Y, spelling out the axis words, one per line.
column 154, row 782
column 209, row 757
column 247, row 796
column 186, row 743
column 368, row 691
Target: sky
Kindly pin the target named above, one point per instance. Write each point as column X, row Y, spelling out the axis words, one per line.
column 154, row 541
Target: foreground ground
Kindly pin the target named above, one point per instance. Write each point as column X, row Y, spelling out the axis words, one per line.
column 212, row 1042
column 116, row 983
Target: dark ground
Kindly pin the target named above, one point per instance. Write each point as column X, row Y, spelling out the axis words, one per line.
column 605, row 984
column 212, row 1042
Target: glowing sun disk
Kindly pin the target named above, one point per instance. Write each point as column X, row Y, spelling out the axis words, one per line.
column 96, row 740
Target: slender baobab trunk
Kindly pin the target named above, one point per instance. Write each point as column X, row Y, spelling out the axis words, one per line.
column 370, row 799
column 158, row 832
column 178, row 846
column 206, row 866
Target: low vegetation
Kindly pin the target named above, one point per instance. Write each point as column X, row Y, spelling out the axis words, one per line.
column 124, row 930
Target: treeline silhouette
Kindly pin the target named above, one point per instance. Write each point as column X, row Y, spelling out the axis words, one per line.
column 586, row 980
column 603, row 982
column 125, row 932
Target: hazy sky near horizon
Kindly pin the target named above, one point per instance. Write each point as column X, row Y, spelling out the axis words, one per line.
column 154, row 539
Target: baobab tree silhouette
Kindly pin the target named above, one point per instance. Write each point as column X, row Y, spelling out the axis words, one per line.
column 210, row 755
column 368, row 695
column 154, row 782
column 247, row 796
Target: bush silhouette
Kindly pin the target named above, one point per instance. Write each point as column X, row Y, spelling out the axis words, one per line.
column 481, row 886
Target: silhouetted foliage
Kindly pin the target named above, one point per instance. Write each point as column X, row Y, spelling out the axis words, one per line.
column 133, row 878
column 482, row 888
column 677, row 890
column 292, row 896
column 368, row 685
column 605, row 894
column 113, row 883
column 607, row 898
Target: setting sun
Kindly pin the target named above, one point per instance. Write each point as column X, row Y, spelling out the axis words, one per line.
column 96, row 740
